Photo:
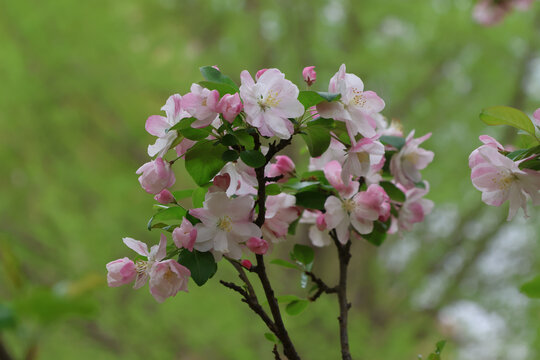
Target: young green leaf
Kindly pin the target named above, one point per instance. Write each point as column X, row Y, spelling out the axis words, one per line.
column 229, row 140
column 284, row 263
column 296, row 307
column 313, row 199
column 169, row 216
column 222, row 88
column 229, row 155
column 310, row 98
column 184, row 128
column 201, row 264
column 395, row 141
column 198, row 196
column 271, row 337
column 253, row 158
column 505, row 115
column 214, row 75
column 182, row 194
column 317, row 139
column 273, row 189
column 303, row 254
column 204, row 161
column 392, row 191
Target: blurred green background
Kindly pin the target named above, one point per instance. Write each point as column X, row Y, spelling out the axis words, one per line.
column 79, row 80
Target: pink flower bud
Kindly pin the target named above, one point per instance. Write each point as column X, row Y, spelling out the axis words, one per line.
column 155, row 176
column 320, row 222
column 230, row 106
column 164, row 197
column 120, row 272
column 259, row 73
column 185, row 235
column 246, row 263
column 283, row 167
column 309, row 75
column 257, row 245
column 216, row 67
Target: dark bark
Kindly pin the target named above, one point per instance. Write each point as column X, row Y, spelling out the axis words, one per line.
column 4, row 354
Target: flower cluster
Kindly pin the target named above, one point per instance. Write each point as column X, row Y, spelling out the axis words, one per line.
column 505, row 174
column 492, row 12
column 363, row 179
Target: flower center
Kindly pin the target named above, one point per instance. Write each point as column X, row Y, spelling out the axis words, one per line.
column 141, row 267
column 504, row 180
column 224, row 224
column 349, row 205
column 271, row 100
column 363, row 157
column 169, row 276
column 358, row 97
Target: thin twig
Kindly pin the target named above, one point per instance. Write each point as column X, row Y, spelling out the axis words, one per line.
column 276, row 353
column 321, row 286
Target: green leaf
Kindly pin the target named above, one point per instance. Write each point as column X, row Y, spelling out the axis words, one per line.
column 531, row 288
column 293, row 226
column 229, row 155
column 296, row 307
column 229, row 140
column 220, row 87
column 317, row 139
column 198, row 197
column 516, row 155
column 393, row 191
column 184, row 128
column 316, row 175
column 214, row 75
column 311, row 199
column 245, row 139
column 505, row 115
column 273, row 189
column 284, row 263
column 310, row 98
column 326, row 123
column 204, row 161
column 201, row 264
column 395, row 141
column 253, row 158
column 303, row 254
column 378, row 235
column 182, row 194
column 7, row 317
column 271, row 337
column 169, row 216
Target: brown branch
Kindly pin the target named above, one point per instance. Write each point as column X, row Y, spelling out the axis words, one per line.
column 322, row 287
column 276, row 353
column 344, row 254
column 4, row 354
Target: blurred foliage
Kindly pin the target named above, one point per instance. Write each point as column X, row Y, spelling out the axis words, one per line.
column 79, row 80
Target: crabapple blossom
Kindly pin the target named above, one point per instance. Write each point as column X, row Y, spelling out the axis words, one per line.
column 360, row 157
column 333, row 173
column 230, row 106
column 167, row 278
column 500, row 179
column 259, row 73
column 156, row 175
column 158, row 125
column 476, row 158
column 284, row 166
column 415, row 207
column 309, row 75
column 185, row 235
column 257, row 245
column 336, row 151
column 242, row 179
column 120, row 272
column 164, row 197
column 184, row 146
column 201, row 103
column 225, row 224
column 355, row 107
column 156, row 254
column 406, row 164
column 317, row 233
column 280, row 213
column 536, row 118
column 269, row 102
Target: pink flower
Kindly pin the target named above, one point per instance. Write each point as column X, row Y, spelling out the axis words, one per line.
column 500, row 179
column 201, row 103
column 280, row 213
column 184, row 146
column 333, row 173
column 284, row 166
column 158, row 125
column 225, row 224
column 317, row 233
column 120, row 272
column 242, row 178
column 230, row 106
column 360, row 211
column 309, row 75
column 476, row 158
column 405, row 165
column 156, row 254
column 185, row 235
column 320, row 222
column 167, row 278
column 246, row 263
column 164, row 197
column 259, row 73
column 257, row 245
column 269, row 103
column 156, row 175
column 355, row 107
column 220, row 183
column 366, row 152
column 536, row 117
column 415, row 208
